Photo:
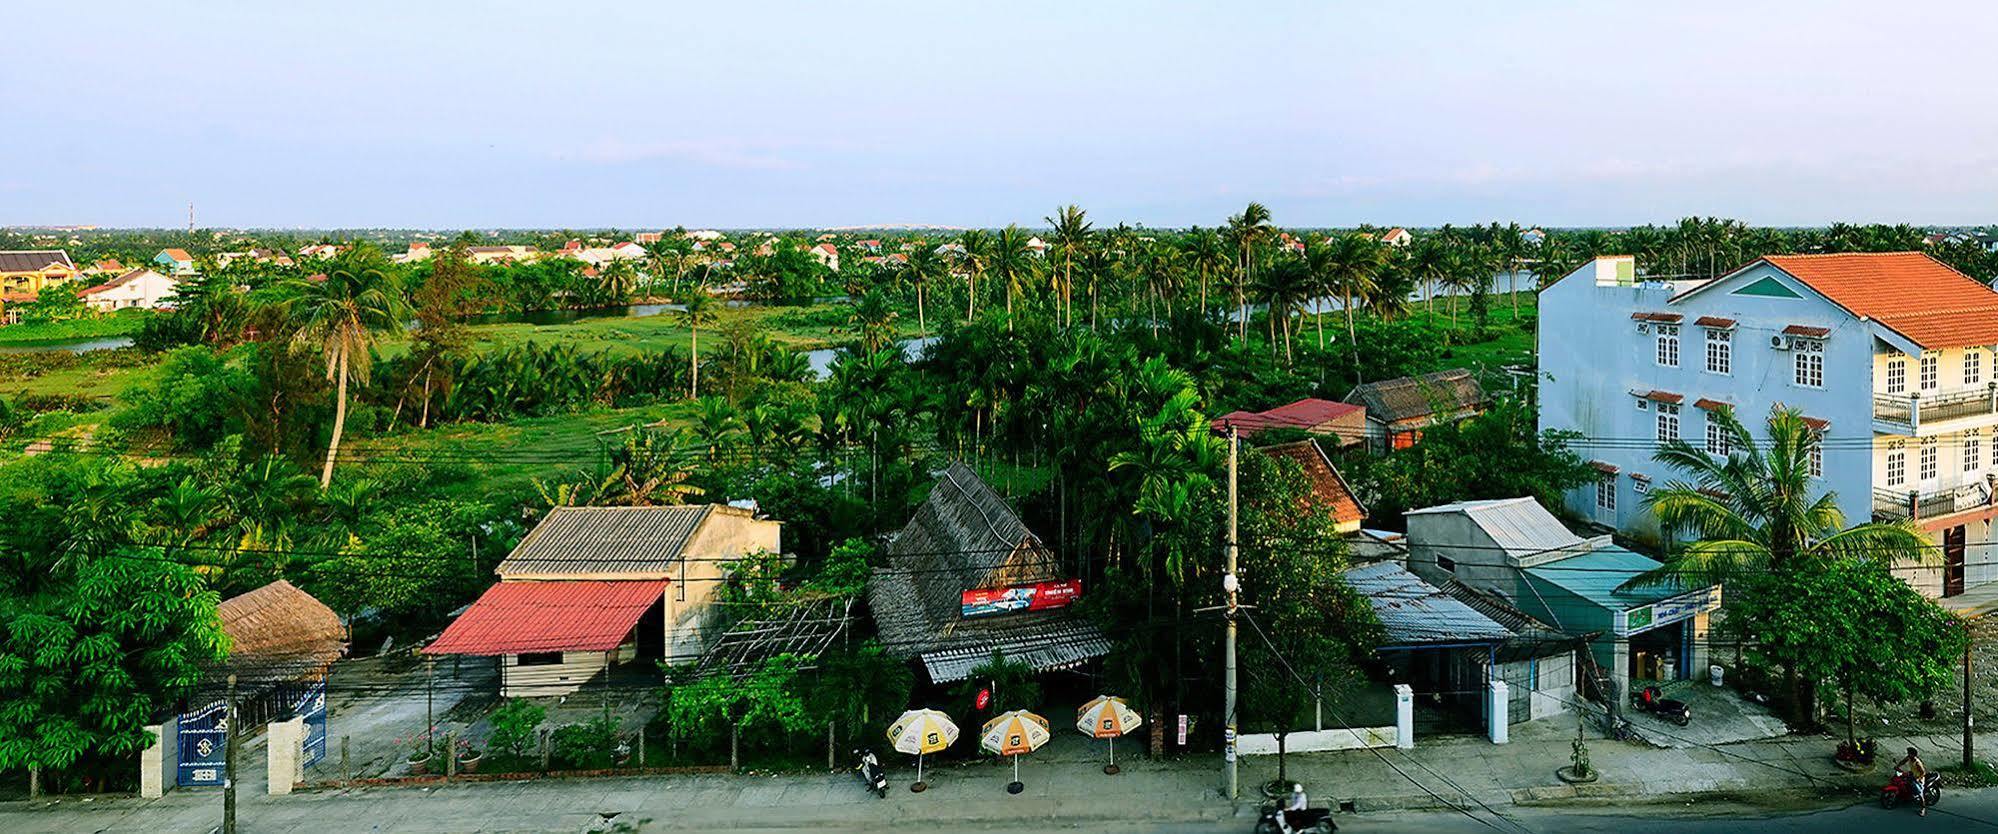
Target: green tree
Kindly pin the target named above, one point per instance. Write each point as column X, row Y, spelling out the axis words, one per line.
column 1851, row 624
column 696, row 310
column 93, row 647
column 1070, row 230
column 341, row 316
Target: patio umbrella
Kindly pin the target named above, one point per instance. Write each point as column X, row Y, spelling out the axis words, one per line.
column 1107, row 716
column 921, row 731
column 1011, row 734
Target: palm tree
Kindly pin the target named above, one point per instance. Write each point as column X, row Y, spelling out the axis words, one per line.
column 1286, row 283
column 1754, row 513
column 1071, row 233
column 924, row 266
column 697, row 309
column 341, row 316
column 1011, row 264
column 977, row 246
column 1351, row 266
column 1208, row 254
column 1247, row 230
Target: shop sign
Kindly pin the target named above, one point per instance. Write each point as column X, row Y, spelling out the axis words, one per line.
column 1038, row 596
column 1670, row 611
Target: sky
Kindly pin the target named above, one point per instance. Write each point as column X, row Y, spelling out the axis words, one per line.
column 444, row 114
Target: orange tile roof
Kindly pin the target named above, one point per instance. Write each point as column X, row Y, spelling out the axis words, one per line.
column 1329, row 491
column 1910, row 293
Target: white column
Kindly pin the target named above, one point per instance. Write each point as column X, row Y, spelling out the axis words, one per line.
column 1501, row 703
column 1404, row 716
column 283, row 740
column 153, row 767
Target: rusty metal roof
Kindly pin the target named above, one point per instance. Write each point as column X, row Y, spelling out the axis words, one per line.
column 585, row 541
column 576, row 615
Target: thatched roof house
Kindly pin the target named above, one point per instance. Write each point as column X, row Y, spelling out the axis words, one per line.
column 278, row 633
column 965, row 538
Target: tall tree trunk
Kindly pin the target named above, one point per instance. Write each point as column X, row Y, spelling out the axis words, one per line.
column 971, row 296
column 1352, row 336
column 922, row 324
column 694, row 364
column 339, row 422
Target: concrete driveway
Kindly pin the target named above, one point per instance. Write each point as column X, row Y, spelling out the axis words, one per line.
column 1720, row 716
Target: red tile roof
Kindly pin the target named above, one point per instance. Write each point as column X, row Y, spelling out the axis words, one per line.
column 1817, row 424
column 555, row 616
column 178, row 254
column 1303, row 414
column 1328, row 489
column 1715, row 322
column 1711, row 405
column 1604, row 467
column 1671, row 318
column 1910, row 293
column 1665, row 397
column 1807, row 330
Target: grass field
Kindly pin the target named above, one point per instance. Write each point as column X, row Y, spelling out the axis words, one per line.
column 512, row 454
column 123, row 323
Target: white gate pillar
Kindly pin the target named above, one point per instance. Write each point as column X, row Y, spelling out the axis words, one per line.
column 283, row 750
column 155, row 766
column 1499, row 712
column 1404, row 716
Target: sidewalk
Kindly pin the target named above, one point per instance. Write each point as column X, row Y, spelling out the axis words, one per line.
column 1066, row 786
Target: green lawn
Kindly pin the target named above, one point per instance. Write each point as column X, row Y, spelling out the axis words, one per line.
column 511, row 454
column 803, row 328
column 124, row 323
column 83, row 380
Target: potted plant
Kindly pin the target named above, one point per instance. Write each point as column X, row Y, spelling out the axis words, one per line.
column 468, row 757
column 419, row 761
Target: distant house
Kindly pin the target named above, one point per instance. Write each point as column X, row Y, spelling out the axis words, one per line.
column 1396, row 236
column 1344, row 422
column 321, row 251
column 108, row 266
column 591, row 588
column 176, row 261
column 1037, row 246
column 418, row 251
column 137, row 288
column 648, row 238
column 1399, row 409
column 500, row 254
column 1532, row 237
column 868, row 245
column 281, row 639
column 826, row 254
column 1329, row 491
column 965, row 578
column 24, row 272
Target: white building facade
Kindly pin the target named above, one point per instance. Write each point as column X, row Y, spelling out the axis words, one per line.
column 1888, row 355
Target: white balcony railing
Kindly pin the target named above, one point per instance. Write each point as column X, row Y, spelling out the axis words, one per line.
column 1912, row 410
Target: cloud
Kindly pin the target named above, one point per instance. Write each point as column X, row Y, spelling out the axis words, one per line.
column 714, row 153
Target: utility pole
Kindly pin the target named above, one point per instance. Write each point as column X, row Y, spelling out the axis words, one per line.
column 229, row 732
column 1231, row 585
column 1967, row 720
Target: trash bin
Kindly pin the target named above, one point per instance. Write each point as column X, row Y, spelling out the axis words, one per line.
column 1714, row 673
column 1668, row 669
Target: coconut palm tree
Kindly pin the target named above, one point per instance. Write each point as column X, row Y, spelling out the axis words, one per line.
column 977, row 248
column 1247, row 230
column 1755, row 512
column 697, row 309
column 924, row 266
column 1350, row 265
column 1207, row 253
column 1071, row 233
column 341, row 315
column 1011, row 263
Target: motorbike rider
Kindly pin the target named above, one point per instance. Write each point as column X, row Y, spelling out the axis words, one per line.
column 1297, row 802
column 1917, row 775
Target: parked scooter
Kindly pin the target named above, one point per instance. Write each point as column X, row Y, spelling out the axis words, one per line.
column 1901, row 789
column 872, row 776
column 1651, row 700
column 1275, row 820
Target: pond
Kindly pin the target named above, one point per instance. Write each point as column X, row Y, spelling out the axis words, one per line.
column 822, row 359
column 75, row 346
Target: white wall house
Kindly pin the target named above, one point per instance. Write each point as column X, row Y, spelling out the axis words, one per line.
column 1889, row 355
column 140, row 288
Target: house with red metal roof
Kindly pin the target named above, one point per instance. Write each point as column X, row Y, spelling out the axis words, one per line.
column 1889, row 356
column 592, row 589
column 1345, row 423
column 1328, row 491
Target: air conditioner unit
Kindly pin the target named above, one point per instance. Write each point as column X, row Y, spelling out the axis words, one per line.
column 1643, row 328
column 1643, row 404
column 1779, row 342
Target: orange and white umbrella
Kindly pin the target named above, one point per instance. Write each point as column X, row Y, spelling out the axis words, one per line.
column 1107, row 716
column 1011, row 734
column 921, row 731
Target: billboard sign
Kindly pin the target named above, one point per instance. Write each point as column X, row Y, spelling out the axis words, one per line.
column 1038, row 596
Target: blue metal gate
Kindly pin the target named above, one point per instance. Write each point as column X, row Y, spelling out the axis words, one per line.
column 313, row 707
column 204, row 741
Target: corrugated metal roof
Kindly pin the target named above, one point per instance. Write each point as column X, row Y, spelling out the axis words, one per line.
column 559, row 616
column 1064, row 643
column 581, row 541
column 1519, row 525
column 1596, row 575
column 1416, row 613
column 34, row 260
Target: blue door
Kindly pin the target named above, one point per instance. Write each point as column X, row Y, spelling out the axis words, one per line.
column 204, row 739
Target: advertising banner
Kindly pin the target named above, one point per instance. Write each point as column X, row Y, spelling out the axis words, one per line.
column 1039, row 596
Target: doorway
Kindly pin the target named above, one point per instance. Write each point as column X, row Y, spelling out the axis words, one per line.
column 1953, row 561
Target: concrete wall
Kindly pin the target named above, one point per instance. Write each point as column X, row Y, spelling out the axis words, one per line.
column 1480, row 562
column 1313, row 741
column 159, row 760
column 284, row 759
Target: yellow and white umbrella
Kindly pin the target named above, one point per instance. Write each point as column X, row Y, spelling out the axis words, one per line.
column 921, row 731
column 1011, row 734
column 1107, row 716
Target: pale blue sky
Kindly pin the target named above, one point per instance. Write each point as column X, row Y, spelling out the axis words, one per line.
column 735, row 113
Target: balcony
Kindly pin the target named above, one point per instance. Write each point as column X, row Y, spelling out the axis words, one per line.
column 1914, row 505
column 1908, row 414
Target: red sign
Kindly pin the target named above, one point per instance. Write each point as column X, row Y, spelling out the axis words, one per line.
column 984, row 697
column 1039, row 596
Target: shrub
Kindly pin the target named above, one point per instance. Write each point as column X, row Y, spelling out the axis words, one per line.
column 514, row 725
column 586, row 745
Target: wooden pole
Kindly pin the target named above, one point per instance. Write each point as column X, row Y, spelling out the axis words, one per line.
column 229, row 733
column 1968, row 721
column 346, row 773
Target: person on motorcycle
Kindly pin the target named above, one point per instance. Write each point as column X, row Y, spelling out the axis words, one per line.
column 1917, row 775
column 1297, row 803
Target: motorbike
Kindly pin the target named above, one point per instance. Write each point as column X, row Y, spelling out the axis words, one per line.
column 1275, row 820
column 1651, row 700
column 872, row 776
column 1901, row 789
